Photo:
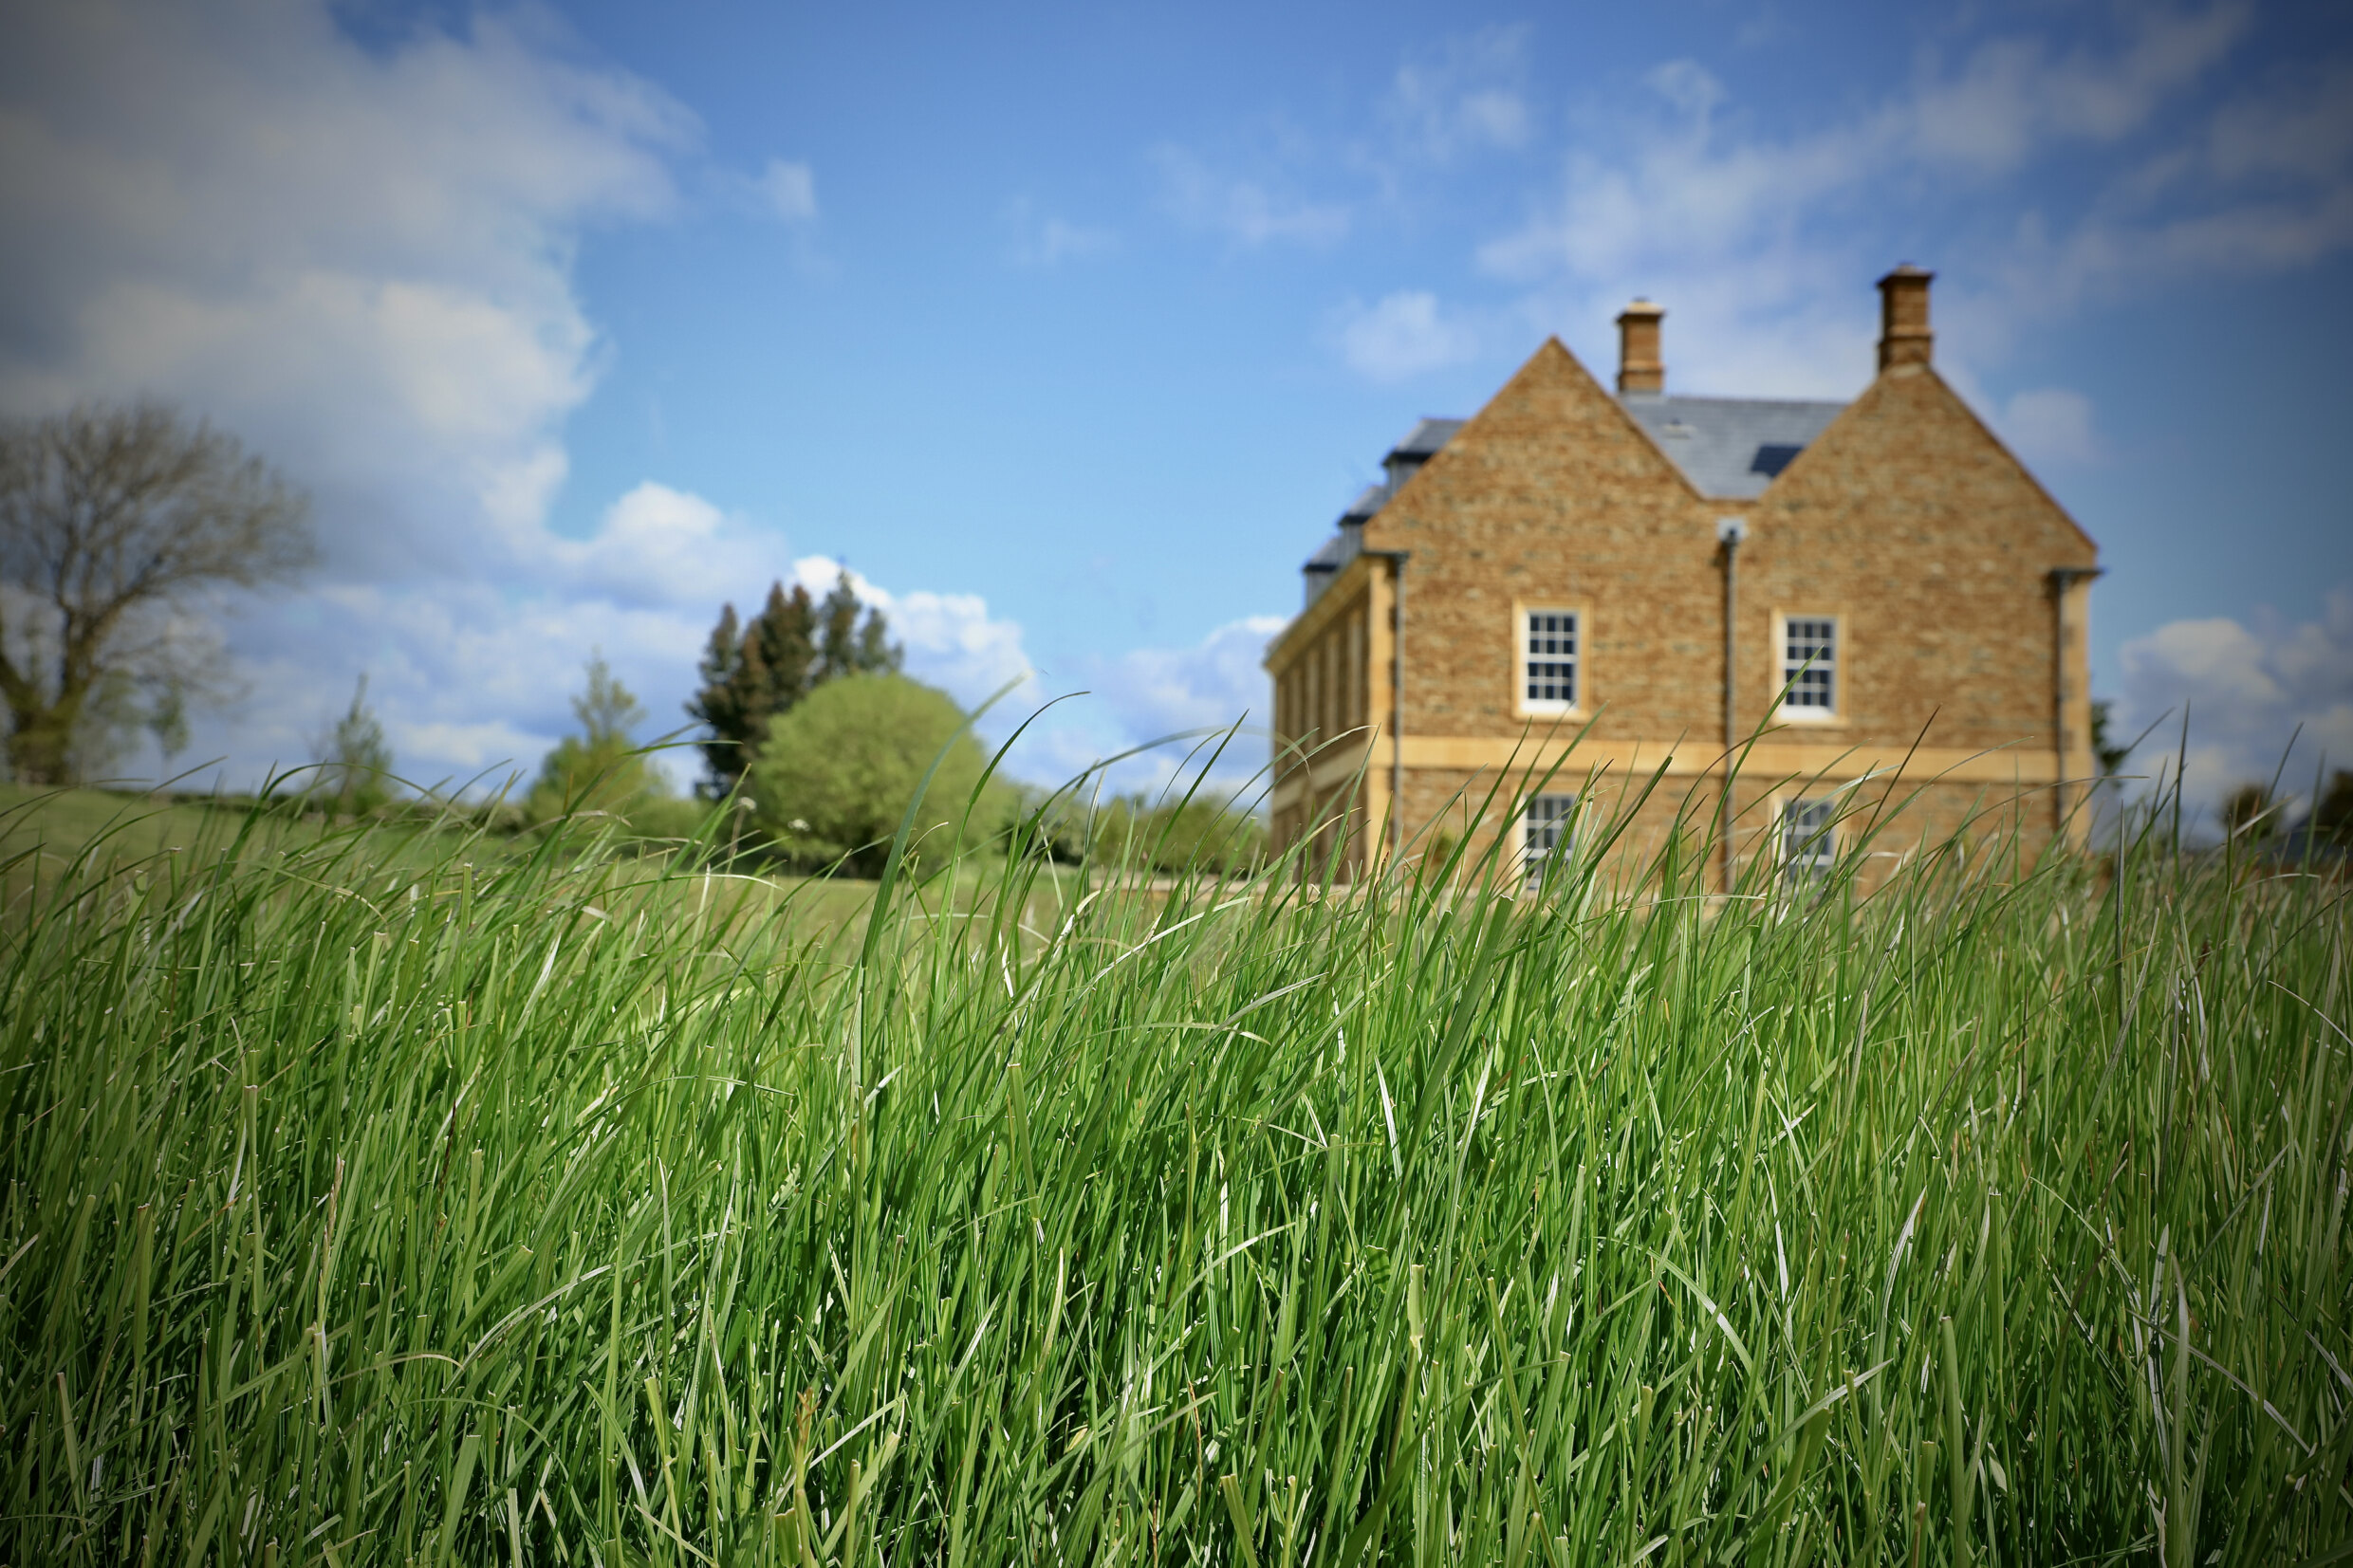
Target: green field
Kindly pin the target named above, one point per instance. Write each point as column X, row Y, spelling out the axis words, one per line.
column 86, row 833
column 381, row 1199
column 61, row 824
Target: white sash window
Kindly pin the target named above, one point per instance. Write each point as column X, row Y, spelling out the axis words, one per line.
column 1548, row 642
column 1810, row 650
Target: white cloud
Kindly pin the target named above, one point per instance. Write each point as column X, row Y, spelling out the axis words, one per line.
column 2307, row 133
column 468, row 677
column 662, row 547
column 2051, row 425
column 2010, row 98
column 1129, row 699
column 1042, row 240
column 787, row 189
column 1217, row 681
column 361, row 261
column 357, row 259
column 1245, row 211
column 1763, row 245
column 474, row 677
column 1403, row 336
column 1471, row 94
column 951, row 640
column 2246, row 691
column 1687, row 85
column 1148, row 694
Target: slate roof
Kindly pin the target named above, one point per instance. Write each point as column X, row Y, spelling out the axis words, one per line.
column 1317, row 574
column 1368, row 501
column 1729, row 448
column 1426, row 438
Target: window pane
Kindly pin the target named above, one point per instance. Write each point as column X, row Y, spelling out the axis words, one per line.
column 1807, row 846
column 1809, row 663
column 1546, row 825
column 1548, row 658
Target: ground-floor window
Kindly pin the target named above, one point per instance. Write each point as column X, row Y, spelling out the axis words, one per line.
column 1809, row 838
column 1547, row 829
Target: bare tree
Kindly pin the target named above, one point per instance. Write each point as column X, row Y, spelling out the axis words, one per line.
column 119, row 528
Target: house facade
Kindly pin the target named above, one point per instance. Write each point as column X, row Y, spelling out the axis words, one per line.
column 1849, row 599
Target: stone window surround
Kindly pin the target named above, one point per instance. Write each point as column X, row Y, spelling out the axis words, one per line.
column 1841, row 666
column 1581, row 680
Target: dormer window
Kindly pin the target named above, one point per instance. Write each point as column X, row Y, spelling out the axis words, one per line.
column 1421, row 444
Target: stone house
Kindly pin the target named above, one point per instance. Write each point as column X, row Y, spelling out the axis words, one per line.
column 1853, row 600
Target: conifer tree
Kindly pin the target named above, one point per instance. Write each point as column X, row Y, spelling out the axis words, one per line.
column 599, row 768
column 836, row 621
column 848, row 647
column 356, row 772
column 754, row 671
column 784, row 639
column 877, row 654
column 718, row 703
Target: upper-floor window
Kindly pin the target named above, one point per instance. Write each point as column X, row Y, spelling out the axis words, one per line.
column 1545, row 828
column 1809, row 661
column 1547, row 660
column 1809, row 838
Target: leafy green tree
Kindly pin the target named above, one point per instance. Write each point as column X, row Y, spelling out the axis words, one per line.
column 751, row 673
column 356, row 771
column 1204, row 833
column 838, row 770
column 599, row 768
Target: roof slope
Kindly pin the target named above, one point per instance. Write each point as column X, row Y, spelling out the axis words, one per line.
column 1427, row 438
column 1730, row 447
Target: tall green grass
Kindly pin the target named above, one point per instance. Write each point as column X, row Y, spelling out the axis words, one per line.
column 367, row 1203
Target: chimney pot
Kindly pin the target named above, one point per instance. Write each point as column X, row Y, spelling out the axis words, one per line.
column 1640, row 368
column 1904, row 335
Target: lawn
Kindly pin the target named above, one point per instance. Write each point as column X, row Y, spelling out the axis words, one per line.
column 373, row 1203
column 92, row 832
column 114, row 826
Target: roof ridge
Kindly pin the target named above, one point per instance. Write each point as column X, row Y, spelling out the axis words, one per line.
column 1732, row 448
column 1654, row 398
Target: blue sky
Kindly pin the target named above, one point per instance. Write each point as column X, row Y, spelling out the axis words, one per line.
column 1070, row 329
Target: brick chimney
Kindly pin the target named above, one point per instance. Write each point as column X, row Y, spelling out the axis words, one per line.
column 1639, row 369
column 1905, row 336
